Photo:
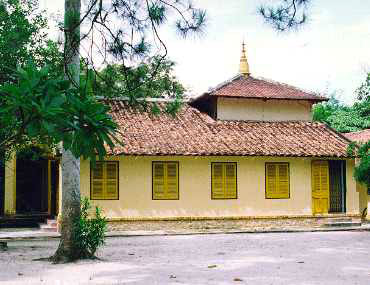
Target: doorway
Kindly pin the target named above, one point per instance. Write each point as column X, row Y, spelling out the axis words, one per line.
column 328, row 186
column 337, row 190
column 36, row 186
column 32, row 186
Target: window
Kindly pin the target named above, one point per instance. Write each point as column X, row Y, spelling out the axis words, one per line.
column 277, row 181
column 104, row 180
column 165, row 180
column 224, row 180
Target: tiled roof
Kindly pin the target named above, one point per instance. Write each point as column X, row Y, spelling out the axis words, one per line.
column 258, row 88
column 360, row 136
column 194, row 133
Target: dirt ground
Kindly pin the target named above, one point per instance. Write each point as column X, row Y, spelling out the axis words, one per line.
column 331, row 258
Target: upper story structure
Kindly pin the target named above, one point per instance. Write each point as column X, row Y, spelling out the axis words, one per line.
column 246, row 98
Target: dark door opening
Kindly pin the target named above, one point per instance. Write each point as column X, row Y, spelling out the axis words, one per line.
column 32, row 186
column 37, row 182
column 337, row 186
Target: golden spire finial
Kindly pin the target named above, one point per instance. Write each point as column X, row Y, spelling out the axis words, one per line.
column 244, row 66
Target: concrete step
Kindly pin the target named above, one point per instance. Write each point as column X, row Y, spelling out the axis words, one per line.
column 52, row 223
column 342, row 222
column 342, row 219
column 50, row 226
column 47, row 228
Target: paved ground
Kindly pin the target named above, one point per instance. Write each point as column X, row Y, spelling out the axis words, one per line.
column 274, row 258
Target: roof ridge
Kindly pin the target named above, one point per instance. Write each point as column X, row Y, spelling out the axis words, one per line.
column 261, row 121
column 356, row 132
column 147, row 99
column 287, row 85
column 336, row 132
column 222, row 84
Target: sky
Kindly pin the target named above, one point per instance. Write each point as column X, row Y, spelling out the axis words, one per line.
column 331, row 53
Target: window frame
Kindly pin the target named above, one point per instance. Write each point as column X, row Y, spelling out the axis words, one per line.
column 283, row 162
column 236, row 179
column 178, row 179
column 91, row 182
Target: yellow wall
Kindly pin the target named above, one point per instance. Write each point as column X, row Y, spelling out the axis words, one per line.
column 135, row 189
column 10, row 186
column 270, row 110
column 364, row 198
column 368, row 208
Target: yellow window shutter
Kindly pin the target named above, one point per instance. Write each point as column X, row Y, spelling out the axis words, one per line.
column 271, row 178
column 320, row 187
column 277, row 180
column 283, row 174
column 217, row 181
column 165, row 180
column 97, row 181
column 324, row 176
column 320, row 178
column 224, row 184
column 171, row 181
column 230, row 180
column 111, row 180
column 316, row 185
column 158, row 180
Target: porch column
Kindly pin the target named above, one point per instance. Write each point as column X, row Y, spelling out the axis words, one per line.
column 10, row 186
column 368, row 204
column 59, row 197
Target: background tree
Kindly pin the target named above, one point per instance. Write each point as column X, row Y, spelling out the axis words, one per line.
column 322, row 111
column 159, row 84
column 345, row 118
column 125, row 43
column 34, row 100
column 23, row 38
column 70, row 164
column 285, row 15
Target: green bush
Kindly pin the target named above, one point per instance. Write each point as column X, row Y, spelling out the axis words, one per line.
column 90, row 231
column 362, row 170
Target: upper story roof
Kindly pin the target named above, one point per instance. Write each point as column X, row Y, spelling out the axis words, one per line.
column 192, row 133
column 360, row 136
column 242, row 86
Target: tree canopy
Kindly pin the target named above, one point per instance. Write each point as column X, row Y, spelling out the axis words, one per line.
column 345, row 118
column 47, row 111
column 35, row 98
column 23, row 38
column 285, row 15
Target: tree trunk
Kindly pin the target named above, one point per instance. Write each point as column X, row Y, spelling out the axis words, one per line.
column 67, row 249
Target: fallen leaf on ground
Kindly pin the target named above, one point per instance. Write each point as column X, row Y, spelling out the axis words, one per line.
column 172, row 276
column 212, row 266
column 238, row 280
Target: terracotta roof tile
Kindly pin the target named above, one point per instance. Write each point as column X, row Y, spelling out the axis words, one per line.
column 360, row 136
column 258, row 88
column 194, row 133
